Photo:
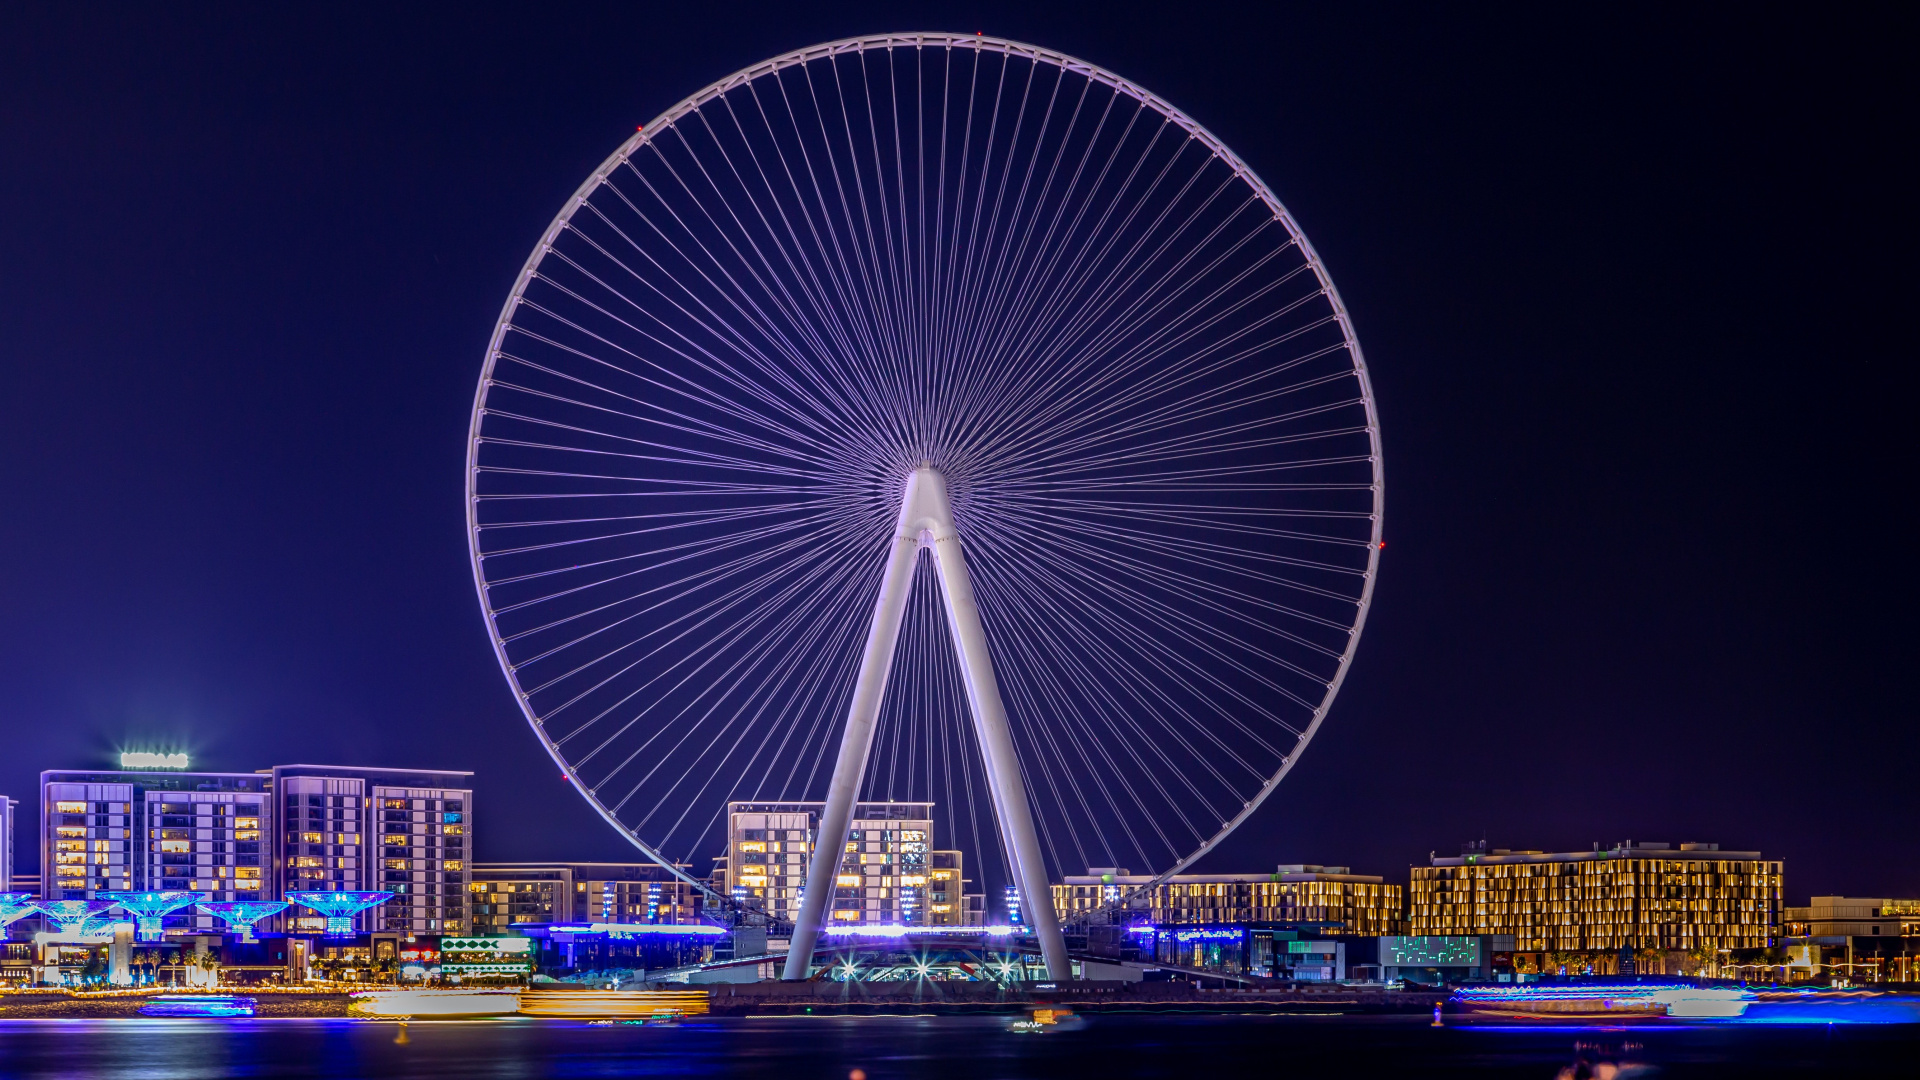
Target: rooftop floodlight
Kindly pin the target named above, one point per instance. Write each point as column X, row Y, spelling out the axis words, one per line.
column 339, row 907
column 240, row 915
column 72, row 915
column 149, row 908
column 15, row 906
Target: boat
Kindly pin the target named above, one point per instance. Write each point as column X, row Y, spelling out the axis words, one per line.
column 1602, row 1001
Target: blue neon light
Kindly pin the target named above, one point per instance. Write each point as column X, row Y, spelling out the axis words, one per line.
column 339, row 907
column 199, row 1006
column 240, row 915
column 896, row 930
column 149, row 908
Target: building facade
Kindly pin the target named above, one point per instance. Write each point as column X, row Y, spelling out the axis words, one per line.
column 1630, row 897
column 889, row 872
column 6, row 843
column 1859, row 939
column 353, row 829
column 105, row 831
column 503, row 894
column 1344, row 902
column 260, row 835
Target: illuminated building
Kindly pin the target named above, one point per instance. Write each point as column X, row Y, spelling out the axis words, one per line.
column 6, row 844
column 242, row 837
column 486, row 957
column 1630, row 897
column 887, row 874
column 948, row 902
column 403, row 831
column 1327, row 896
column 1856, row 938
column 504, row 894
column 603, row 946
column 150, row 831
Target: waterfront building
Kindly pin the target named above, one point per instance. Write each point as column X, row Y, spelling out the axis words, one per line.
column 131, row 830
column 1333, row 898
column 259, row 835
column 502, row 895
column 1860, row 939
column 948, row 902
column 887, row 873
column 352, row 828
column 6, row 843
column 1627, row 899
column 1852, row 916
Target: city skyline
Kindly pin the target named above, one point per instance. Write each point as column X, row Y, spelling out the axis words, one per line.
column 1590, row 582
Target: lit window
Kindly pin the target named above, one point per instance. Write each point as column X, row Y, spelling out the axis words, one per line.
column 176, row 845
column 244, row 872
column 454, row 864
column 847, row 879
column 246, row 823
column 313, row 838
column 71, row 831
column 752, row 845
column 246, row 834
column 454, row 830
column 307, row 860
column 396, row 864
column 70, row 807
column 394, row 840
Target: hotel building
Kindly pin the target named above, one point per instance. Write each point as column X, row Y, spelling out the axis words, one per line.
column 1628, row 897
column 502, row 894
column 889, row 873
column 1345, row 902
column 104, row 831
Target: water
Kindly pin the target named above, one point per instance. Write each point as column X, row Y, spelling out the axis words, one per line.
column 797, row 1048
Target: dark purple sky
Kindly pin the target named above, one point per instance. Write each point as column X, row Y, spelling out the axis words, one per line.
column 1636, row 289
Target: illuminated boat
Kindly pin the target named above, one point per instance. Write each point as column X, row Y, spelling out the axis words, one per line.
column 199, row 1006
column 415, row 1004
column 1602, row 1001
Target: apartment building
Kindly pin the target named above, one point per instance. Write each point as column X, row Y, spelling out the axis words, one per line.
column 503, row 894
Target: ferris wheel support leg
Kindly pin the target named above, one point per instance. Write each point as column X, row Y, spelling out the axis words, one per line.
column 830, row 834
column 1006, row 785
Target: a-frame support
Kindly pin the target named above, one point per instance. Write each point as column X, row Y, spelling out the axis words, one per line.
column 926, row 521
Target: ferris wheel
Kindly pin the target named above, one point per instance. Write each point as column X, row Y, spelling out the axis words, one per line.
column 944, row 295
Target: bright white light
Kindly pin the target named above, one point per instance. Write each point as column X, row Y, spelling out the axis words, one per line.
column 140, row 759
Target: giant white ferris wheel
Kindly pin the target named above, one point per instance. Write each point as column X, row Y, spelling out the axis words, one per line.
column 940, row 294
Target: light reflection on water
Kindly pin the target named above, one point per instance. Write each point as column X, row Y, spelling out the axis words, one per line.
column 793, row 1048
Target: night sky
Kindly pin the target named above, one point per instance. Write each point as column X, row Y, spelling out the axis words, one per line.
column 1635, row 286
